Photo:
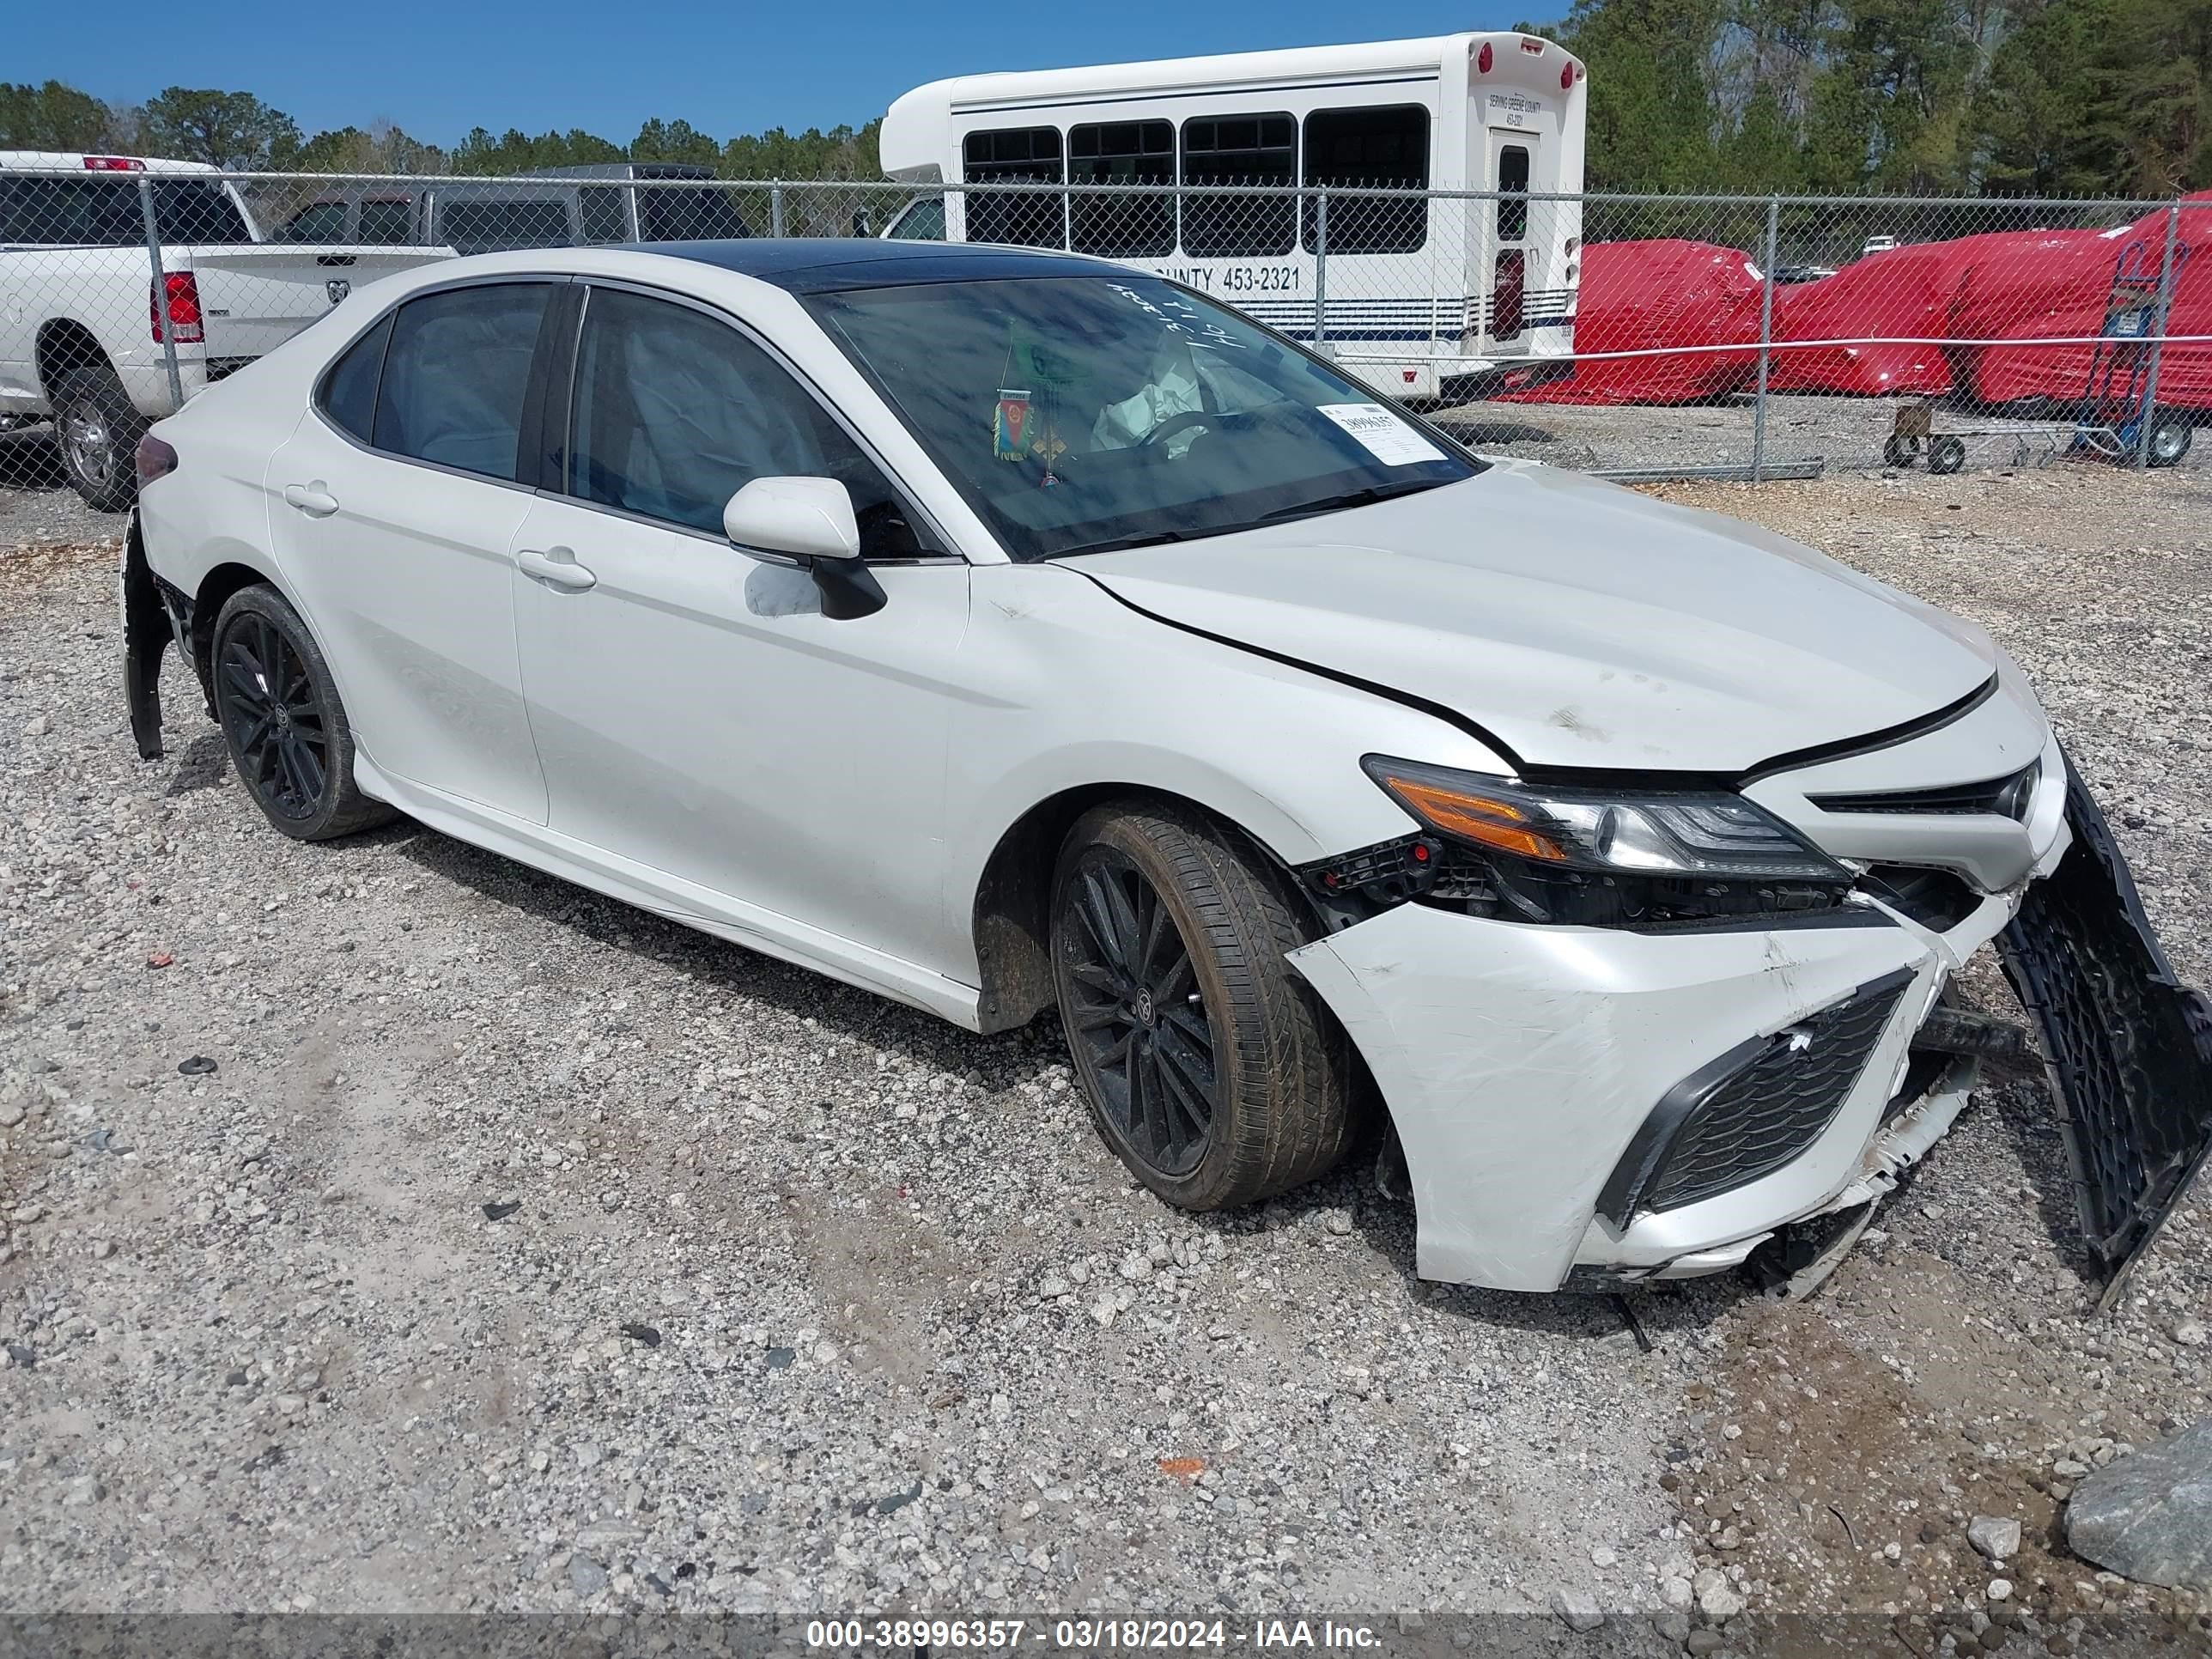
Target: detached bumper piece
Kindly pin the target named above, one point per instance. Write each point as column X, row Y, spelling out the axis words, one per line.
column 2129, row 1047
column 146, row 634
column 1753, row 1109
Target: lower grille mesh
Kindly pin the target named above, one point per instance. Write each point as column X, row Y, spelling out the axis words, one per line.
column 1756, row 1108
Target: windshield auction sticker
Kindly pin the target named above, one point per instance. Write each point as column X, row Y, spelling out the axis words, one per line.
column 1382, row 434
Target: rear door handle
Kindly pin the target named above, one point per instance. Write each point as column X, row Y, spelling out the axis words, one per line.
column 312, row 500
column 557, row 567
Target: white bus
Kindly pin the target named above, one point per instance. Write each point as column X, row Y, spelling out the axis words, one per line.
column 1425, row 297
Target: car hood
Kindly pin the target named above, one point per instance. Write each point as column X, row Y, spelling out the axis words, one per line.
column 1580, row 624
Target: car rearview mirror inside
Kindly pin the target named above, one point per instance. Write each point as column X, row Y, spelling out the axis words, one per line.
column 811, row 522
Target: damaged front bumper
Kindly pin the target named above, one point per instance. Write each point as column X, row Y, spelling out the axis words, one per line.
column 1581, row 1105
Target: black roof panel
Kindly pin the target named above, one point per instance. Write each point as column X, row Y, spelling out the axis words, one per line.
column 819, row 264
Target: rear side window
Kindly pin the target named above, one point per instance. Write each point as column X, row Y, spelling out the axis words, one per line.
column 388, row 222
column 456, row 375
column 1239, row 149
column 1015, row 156
column 325, row 222
column 350, row 388
column 606, row 220
column 1354, row 147
column 105, row 211
column 688, row 213
column 477, row 227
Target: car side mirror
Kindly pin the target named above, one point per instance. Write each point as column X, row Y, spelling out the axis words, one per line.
column 808, row 522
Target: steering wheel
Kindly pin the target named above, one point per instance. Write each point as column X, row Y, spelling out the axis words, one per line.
column 1178, row 422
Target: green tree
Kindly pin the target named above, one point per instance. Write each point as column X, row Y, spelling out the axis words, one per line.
column 674, row 141
column 224, row 129
column 54, row 117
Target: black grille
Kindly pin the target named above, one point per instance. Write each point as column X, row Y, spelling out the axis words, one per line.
column 2006, row 797
column 1754, row 1110
column 2128, row 1046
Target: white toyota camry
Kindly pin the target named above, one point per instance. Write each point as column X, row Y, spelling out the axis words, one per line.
column 1012, row 632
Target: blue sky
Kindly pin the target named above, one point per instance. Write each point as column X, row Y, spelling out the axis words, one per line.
column 439, row 70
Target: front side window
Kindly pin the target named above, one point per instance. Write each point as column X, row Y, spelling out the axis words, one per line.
column 1028, row 218
column 674, row 412
column 1125, row 223
column 1079, row 414
column 922, row 221
column 1348, row 147
column 1239, row 149
column 456, row 373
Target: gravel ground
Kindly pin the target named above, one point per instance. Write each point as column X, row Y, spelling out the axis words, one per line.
column 518, row 1250
column 1844, row 434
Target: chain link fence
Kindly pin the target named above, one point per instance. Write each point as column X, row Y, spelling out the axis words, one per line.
column 1665, row 336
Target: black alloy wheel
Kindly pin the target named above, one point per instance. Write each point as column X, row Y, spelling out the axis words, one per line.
column 1136, row 1013
column 272, row 717
column 281, row 716
column 1210, row 1066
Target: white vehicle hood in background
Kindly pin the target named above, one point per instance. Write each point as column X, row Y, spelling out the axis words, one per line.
column 1581, row 623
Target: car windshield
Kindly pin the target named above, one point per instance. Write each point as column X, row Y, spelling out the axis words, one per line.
column 1082, row 414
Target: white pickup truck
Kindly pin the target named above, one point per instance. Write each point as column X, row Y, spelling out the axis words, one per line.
column 84, row 310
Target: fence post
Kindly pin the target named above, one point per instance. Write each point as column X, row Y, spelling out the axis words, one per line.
column 775, row 210
column 1765, row 339
column 1321, row 270
column 160, row 292
column 2159, row 313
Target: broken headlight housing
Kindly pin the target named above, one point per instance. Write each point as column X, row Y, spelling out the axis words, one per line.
column 1636, row 857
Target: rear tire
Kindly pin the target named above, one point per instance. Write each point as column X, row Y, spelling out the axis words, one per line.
column 287, row 731
column 98, row 428
column 1213, row 1070
column 1947, row 455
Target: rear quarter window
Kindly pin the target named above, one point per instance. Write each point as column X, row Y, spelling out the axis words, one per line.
column 348, row 395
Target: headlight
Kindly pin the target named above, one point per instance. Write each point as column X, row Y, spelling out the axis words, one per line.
column 1631, row 858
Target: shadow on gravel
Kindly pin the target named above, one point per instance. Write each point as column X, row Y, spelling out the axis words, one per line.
column 204, row 764
column 728, row 968
column 1500, row 432
column 29, row 460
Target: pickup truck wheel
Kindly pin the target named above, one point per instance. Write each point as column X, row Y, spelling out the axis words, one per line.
column 287, row 730
column 99, row 429
column 1211, row 1068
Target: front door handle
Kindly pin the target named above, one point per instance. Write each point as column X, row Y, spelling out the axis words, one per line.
column 313, row 499
column 557, row 567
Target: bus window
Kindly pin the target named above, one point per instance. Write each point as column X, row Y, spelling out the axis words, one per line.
column 922, row 220
column 1239, row 149
column 1123, row 225
column 1351, row 147
column 1016, row 155
column 1512, row 208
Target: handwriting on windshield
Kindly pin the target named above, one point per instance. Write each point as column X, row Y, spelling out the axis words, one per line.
column 1182, row 316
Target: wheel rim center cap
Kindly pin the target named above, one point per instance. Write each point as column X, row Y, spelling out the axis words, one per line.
column 1147, row 1013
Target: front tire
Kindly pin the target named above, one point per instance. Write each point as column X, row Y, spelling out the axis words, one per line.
column 98, row 428
column 287, row 730
column 1211, row 1068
